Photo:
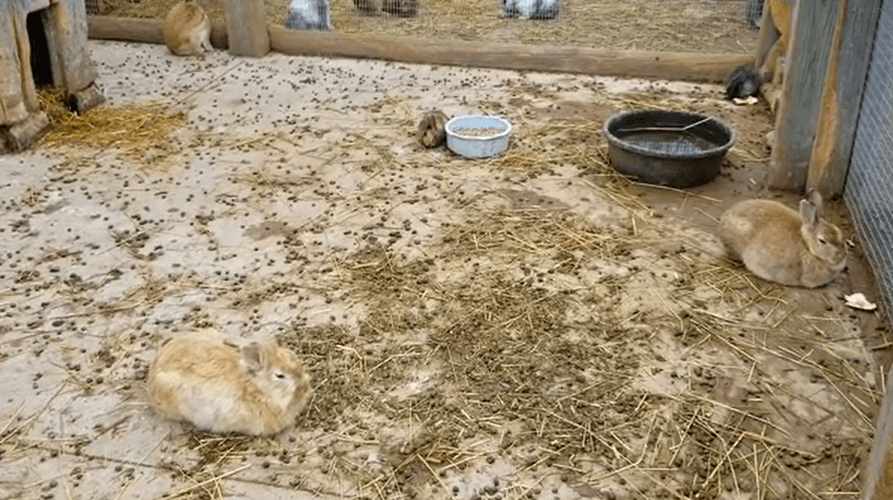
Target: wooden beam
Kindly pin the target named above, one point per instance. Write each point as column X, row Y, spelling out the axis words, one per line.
column 767, row 38
column 246, row 26
column 131, row 29
column 879, row 469
column 842, row 95
column 693, row 67
column 806, row 66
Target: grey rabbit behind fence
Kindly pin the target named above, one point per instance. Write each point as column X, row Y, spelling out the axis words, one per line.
column 309, row 15
column 530, row 9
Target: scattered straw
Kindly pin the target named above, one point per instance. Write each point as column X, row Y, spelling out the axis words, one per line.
column 140, row 131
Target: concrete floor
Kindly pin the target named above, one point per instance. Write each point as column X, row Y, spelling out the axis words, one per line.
column 103, row 257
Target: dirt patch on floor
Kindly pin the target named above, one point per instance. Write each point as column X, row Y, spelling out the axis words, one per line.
column 672, row 25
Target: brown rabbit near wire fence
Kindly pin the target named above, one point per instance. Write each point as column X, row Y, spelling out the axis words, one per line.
column 782, row 245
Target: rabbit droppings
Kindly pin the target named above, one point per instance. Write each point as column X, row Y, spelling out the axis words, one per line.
column 187, row 29
column 255, row 389
column 432, row 129
column 309, row 15
column 778, row 244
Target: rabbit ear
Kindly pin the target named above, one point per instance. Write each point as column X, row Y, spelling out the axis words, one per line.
column 815, row 197
column 253, row 356
column 809, row 214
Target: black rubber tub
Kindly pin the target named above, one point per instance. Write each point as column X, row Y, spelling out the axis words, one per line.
column 669, row 148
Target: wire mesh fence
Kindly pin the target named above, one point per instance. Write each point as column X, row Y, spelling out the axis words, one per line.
column 867, row 191
column 712, row 26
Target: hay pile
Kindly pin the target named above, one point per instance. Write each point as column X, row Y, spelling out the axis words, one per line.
column 141, row 132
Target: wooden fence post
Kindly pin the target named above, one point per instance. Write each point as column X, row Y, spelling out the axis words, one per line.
column 878, row 474
column 768, row 36
column 246, row 28
column 806, row 63
column 842, row 95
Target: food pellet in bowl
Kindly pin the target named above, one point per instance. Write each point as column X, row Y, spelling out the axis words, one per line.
column 477, row 131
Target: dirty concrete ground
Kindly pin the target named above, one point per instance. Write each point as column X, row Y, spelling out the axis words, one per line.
column 531, row 326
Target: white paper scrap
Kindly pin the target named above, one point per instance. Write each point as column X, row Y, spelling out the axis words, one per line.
column 858, row 301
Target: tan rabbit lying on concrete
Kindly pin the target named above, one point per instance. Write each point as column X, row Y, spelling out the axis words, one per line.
column 187, row 29
column 255, row 389
column 778, row 244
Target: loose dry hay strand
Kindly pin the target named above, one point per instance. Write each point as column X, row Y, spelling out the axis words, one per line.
column 827, row 373
column 213, row 480
column 24, row 427
column 12, row 418
column 525, row 230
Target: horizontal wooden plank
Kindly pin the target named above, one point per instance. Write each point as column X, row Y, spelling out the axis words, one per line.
column 132, row 29
column 692, row 67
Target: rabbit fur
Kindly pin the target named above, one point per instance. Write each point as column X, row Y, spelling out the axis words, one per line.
column 309, row 15
column 258, row 388
column 743, row 81
column 530, row 9
column 187, row 29
column 778, row 244
column 432, row 129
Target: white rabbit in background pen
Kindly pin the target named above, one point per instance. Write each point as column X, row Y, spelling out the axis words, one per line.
column 309, row 15
column 530, row 9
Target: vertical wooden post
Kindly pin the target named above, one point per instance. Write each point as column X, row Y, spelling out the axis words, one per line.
column 767, row 38
column 879, row 470
column 806, row 63
column 246, row 28
column 842, row 95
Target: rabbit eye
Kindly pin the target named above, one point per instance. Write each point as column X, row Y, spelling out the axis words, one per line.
column 280, row 375
column 822, row 241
